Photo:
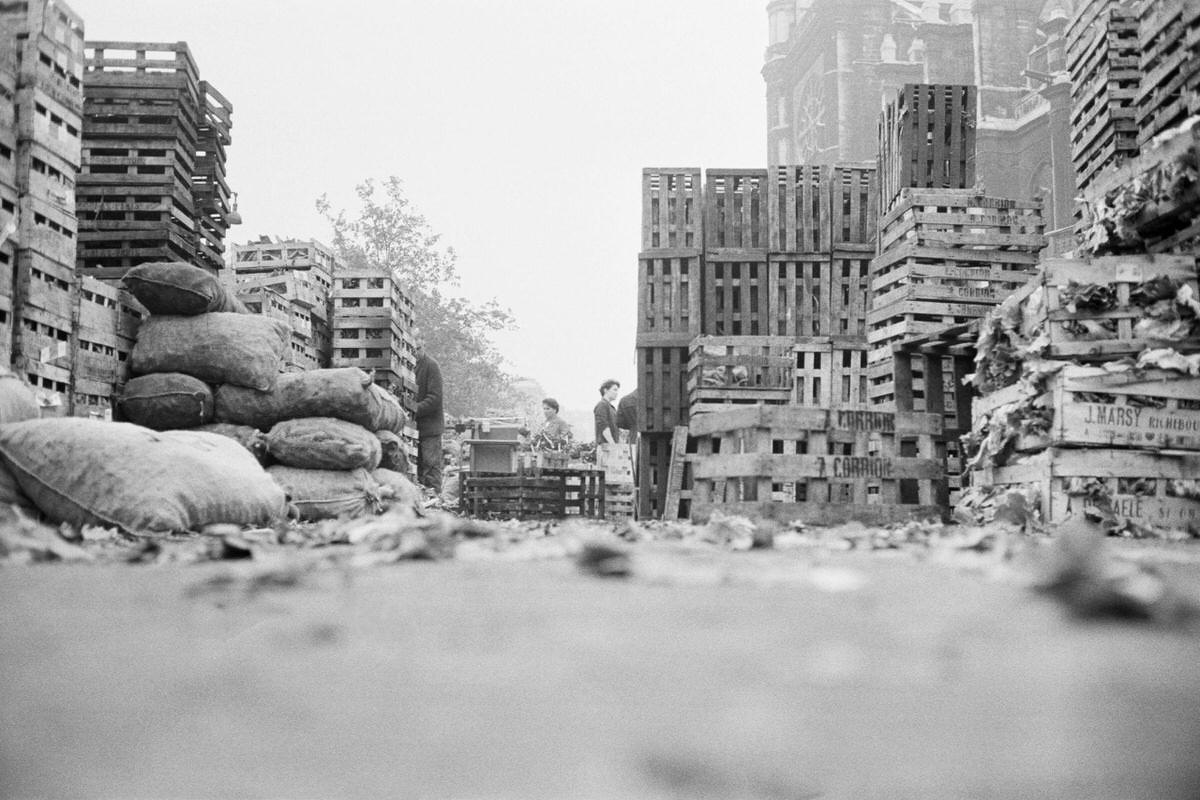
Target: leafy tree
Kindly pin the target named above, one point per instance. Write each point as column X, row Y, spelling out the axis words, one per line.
column 388, row 232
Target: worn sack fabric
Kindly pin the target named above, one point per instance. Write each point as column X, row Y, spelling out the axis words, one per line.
column 326, row 493
column 393, row 451
column 166, row 401
column 242, row 349
column 11, row 494
column 398, row 487
column 89, row 472
column 323, row 443
column 17, row 400
column 344, row 393
column 175, row 288
column 250, row 438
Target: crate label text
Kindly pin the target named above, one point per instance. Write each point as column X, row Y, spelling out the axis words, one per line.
column 855, row 467
column 865, row 421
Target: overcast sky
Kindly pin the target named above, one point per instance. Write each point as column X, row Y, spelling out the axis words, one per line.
column 520, row 129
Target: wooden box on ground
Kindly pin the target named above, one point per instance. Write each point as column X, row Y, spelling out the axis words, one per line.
column 662, row 372
column 735, row 209
column 1100, row 309
column 731, row 370
column 1145, row 486
column 927, row 139
column 1169, row 43
column 1093, row 407
column 669, row 299
column 553, row 493
column 672, row 203
column 816, row 465
column 829, row 371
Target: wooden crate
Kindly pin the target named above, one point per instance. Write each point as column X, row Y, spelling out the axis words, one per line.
column 854, row 206
column 834, row 465
column 1043, row 304
column 542, row 493
column 962, row 218
column 798, row 295
column 1093, row 407
column 1156, row 210
column 829, row 371
column 927, row 139
column 735, row 209
column 1139, row 485
column 654, row 460
column 948, row 274
column 669, row 298
column 672, row 204
column 849, row 293
column 620, row 500
column 736, row 294
column 662, row 387
column 616, row 462
column 799, row 209
column 1169, row 43
column 738, row 370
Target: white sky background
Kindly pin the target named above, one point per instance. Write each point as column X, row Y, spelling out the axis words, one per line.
column 520, row 129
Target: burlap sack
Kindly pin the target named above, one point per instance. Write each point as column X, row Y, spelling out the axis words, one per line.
column 250, row 438
column 323, row 443
column 88, row 472
column 398, row 488
column 242, row 349
column 17, row 400
column 326, row 493
column 11, row 494
column 344, row 393
column 166, row 401
column 175, row 288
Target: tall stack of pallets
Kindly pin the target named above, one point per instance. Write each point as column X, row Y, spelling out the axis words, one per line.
column 1102, row 57
column 1169, row 48
column 152, row 186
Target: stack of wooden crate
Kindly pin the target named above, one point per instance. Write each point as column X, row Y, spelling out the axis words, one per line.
column 620, row 490
column 1169, row 47
column 1091, row 404
column 738, row 370
column 1102, row 57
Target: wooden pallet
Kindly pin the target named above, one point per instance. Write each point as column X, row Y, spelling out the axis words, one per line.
column 672, row 208
column 730, row 370
column 620, row 500
column 834, row 465
column 1093, row 407
column 927, row 139
column 669, row 298
column 676, row 493
column 542, row 493
column 1138, row 485
column 958, row 218
column 1169, row 43
column 735, row 209
column 829, row 371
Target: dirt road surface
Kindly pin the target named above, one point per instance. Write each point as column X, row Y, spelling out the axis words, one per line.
column 849, row 676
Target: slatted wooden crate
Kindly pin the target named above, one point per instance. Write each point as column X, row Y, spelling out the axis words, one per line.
column 927, row 139
column 669, row 297
column 1144, row 486
column 1093, row 407
column 829, row 371
column 1169, row 43
column 854, row 206
column 736, row 294
column 654, row 460
column 962, row 218
column 735, row 209
column 948, row 274
column 672, row 203
column 738, row 370
column 799, row 209
column 799, row 289
column 662, row 386
column 1148, row 202
column 836, row 465
column 1099, row 334
column 849, row 293
column 539, row 494
column 620, row 501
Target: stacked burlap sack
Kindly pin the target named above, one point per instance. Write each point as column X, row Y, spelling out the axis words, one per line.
column 201, row 362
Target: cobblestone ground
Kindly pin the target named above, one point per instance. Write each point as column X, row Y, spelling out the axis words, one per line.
column 635, row 663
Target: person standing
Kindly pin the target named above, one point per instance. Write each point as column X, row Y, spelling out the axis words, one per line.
column 555, row 428
column 627, row 415
column 605, row 413
column 431, row 420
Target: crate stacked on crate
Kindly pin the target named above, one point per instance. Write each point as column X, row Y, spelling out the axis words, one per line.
column 1102, row 57
column 927, row 138
column 947, row 257
column 1147, row 204
column 620, row 488
column 1169, row 44
column 829, row 371
column 823, row 466
column 738, row 370
column 1090, row 404
column 534, row 494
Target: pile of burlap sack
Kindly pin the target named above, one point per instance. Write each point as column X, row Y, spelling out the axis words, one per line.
column 213, row 432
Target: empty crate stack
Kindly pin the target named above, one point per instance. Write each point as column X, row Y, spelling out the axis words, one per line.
column 1169, row 48
column 1102, row 56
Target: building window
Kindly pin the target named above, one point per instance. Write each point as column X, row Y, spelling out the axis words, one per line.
column 349, row 352
column 375, row 302
column 374, row 283
column 349, row 302
column 350, row 333
column 349, row 283
column 373, row 352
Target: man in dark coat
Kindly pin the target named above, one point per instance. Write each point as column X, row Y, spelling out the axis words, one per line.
column 605, row 413
column 627, row 415
column 431, row 420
